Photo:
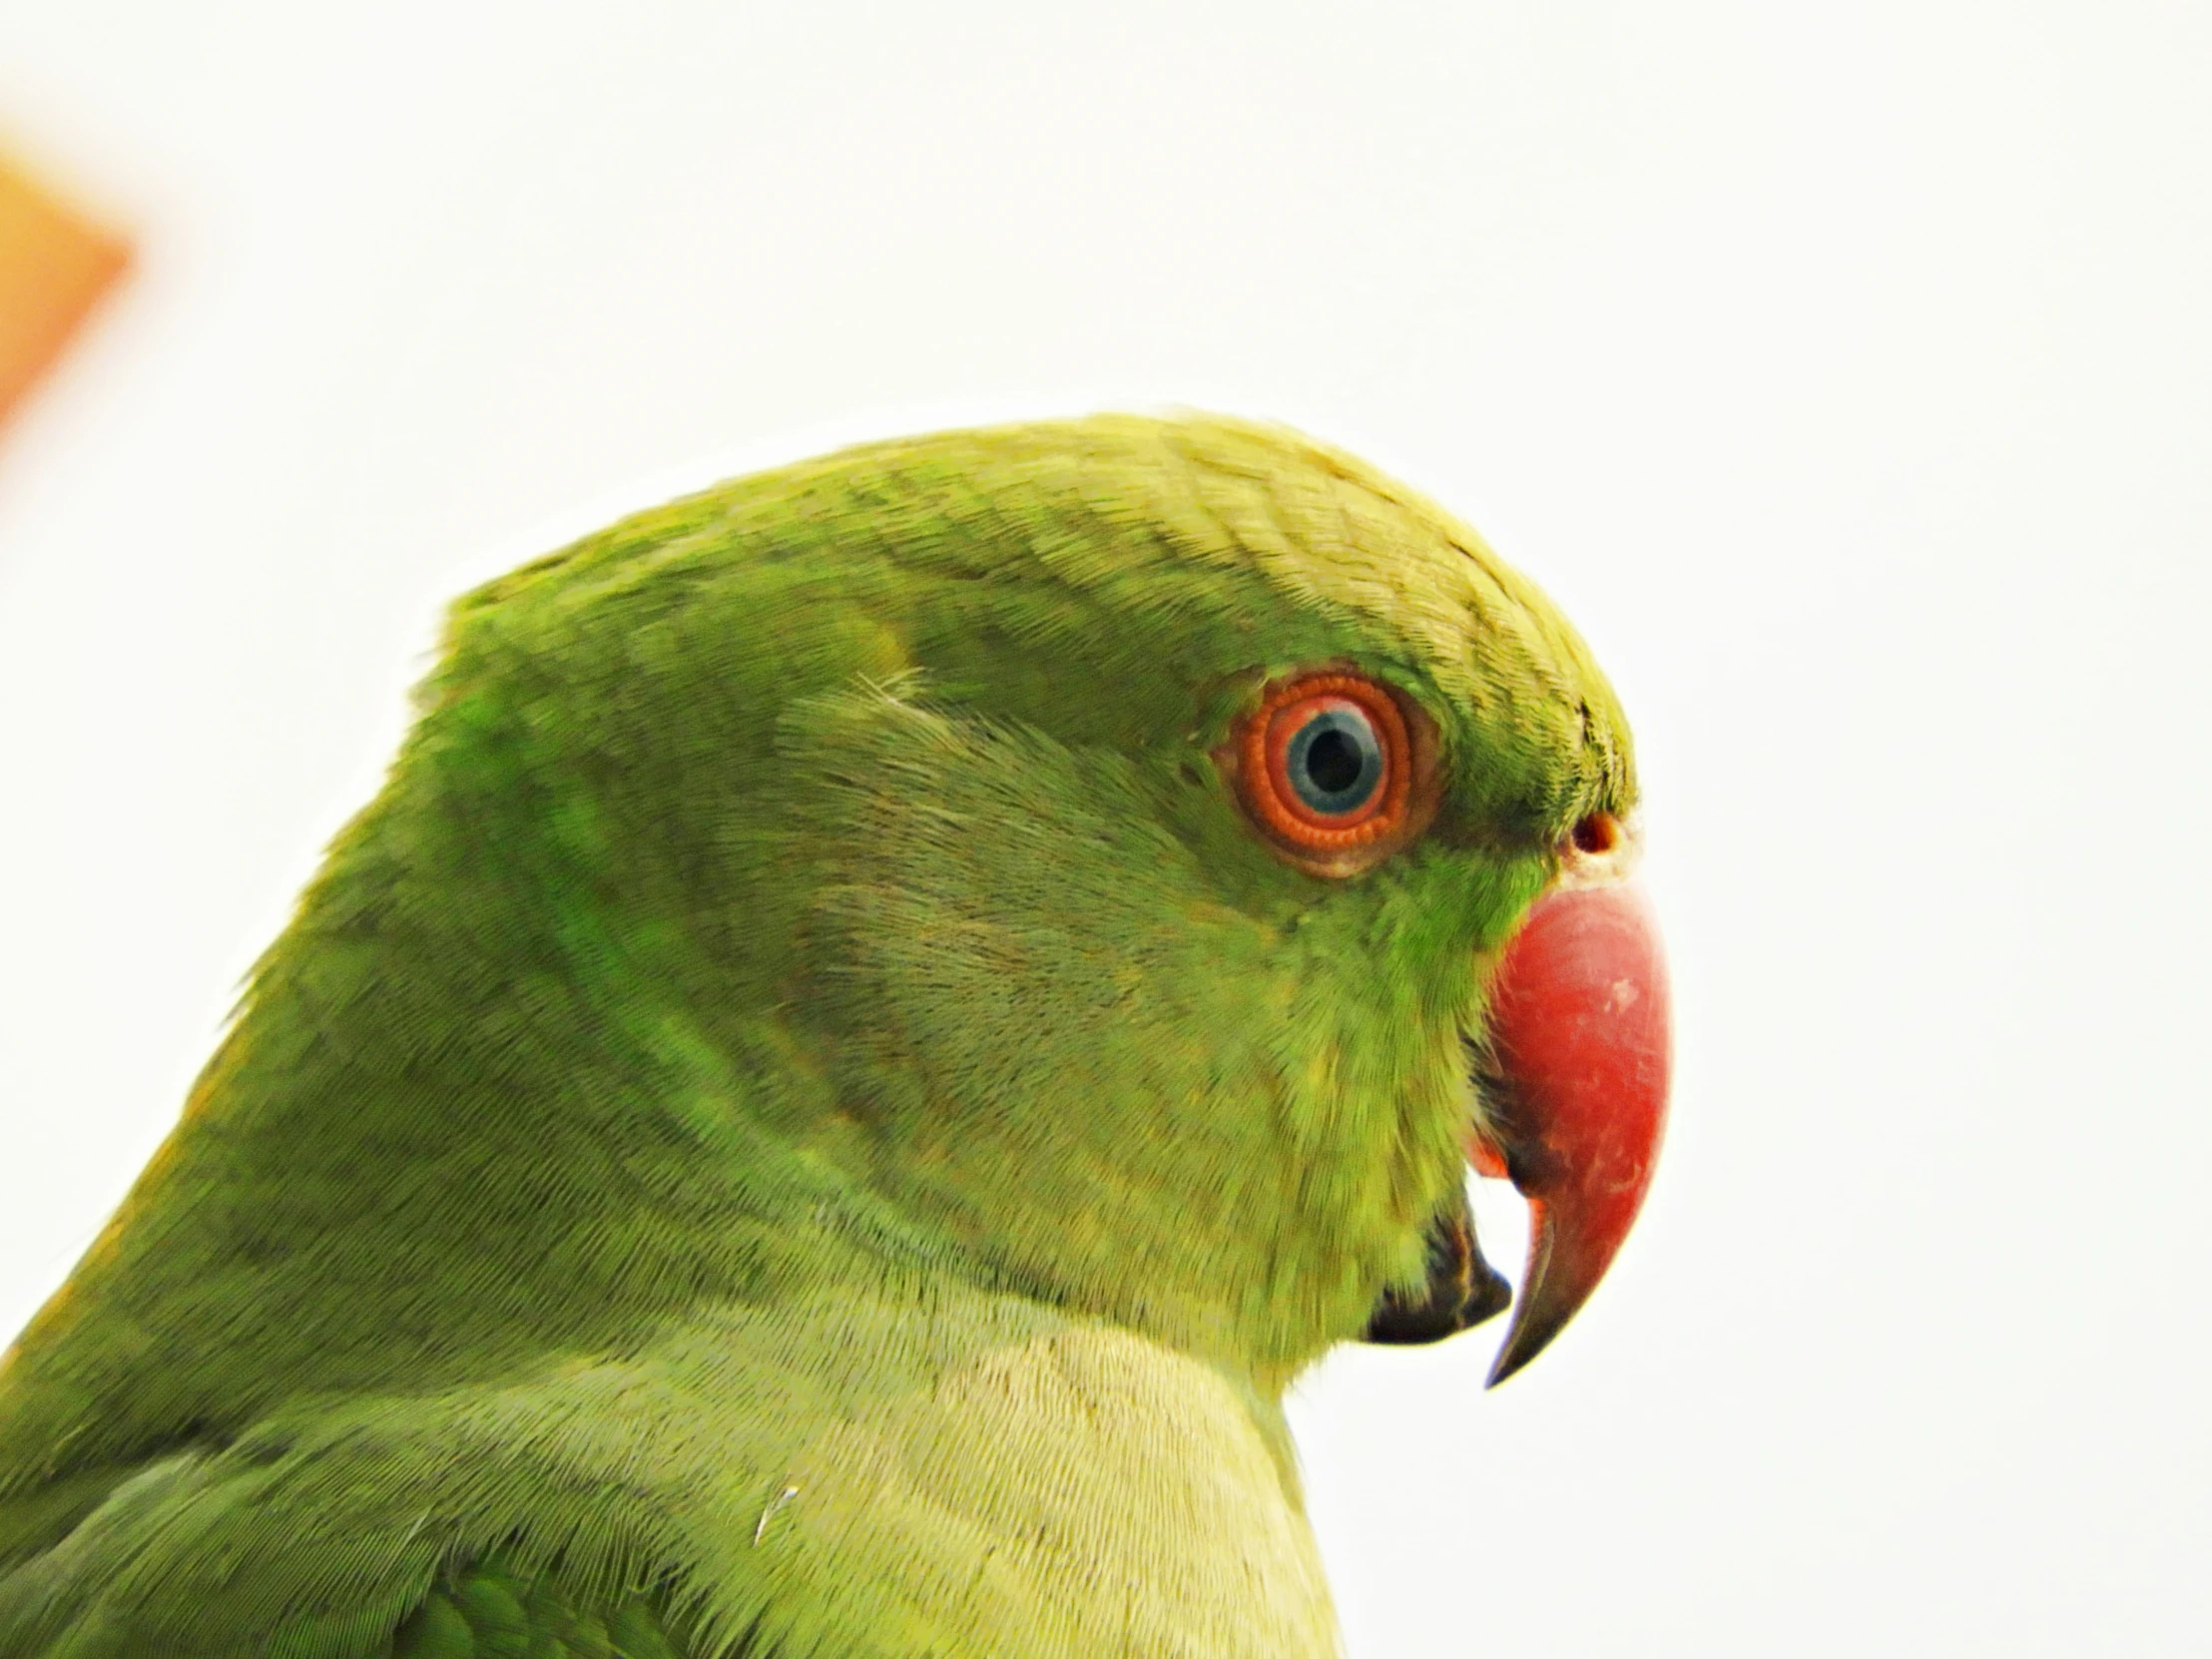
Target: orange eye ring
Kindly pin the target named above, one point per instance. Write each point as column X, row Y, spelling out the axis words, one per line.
column 1335, row 769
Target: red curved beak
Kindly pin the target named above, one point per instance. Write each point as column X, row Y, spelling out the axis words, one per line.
column 1576, row 1094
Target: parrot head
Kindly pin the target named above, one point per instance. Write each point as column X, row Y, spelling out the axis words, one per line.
column 1154, row 857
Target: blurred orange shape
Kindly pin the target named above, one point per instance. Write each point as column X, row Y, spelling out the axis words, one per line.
column 54, row 263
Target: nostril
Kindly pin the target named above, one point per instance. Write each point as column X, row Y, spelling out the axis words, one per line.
column 1599, row 832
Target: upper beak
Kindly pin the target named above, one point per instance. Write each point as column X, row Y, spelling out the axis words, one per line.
column 1573, row 1080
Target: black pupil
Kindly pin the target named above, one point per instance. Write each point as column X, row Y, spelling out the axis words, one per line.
column 1333, row 762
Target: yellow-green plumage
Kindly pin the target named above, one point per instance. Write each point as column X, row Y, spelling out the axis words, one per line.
column 803, row 1120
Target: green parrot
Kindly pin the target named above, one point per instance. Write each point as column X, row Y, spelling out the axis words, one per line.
column 884, row 1012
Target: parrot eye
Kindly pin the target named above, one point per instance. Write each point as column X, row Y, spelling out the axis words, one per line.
column 1326, row 765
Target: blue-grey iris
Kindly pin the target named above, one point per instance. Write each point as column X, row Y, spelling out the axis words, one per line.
column 1334, row 760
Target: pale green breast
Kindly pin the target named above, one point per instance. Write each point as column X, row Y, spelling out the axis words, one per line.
column 1081, row 1491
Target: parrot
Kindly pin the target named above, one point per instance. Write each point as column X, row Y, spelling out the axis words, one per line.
column 882, row 1013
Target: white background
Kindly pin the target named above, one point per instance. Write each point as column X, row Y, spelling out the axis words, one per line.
column 1845, row 371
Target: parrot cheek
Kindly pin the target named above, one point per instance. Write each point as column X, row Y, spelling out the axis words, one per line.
column 1576, row 1088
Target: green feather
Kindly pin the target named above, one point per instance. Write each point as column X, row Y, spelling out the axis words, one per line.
column 436, row 1630
column 803, row 1115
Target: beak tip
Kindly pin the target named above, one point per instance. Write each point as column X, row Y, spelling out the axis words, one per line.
column 1528, row 1338
column 1514, row 1356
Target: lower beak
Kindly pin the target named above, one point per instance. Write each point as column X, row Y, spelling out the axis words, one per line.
column 1573, row 1080
column 1462, row 1289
